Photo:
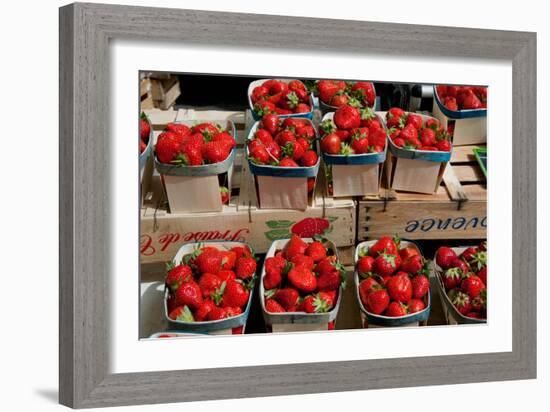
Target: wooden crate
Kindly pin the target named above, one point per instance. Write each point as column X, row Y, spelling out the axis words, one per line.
column 165, row 91
column 146, row 97
column 162, row 233
column 458, row 210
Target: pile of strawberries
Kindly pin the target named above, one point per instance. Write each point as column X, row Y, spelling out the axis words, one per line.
column 462, row 97
column 339, row 93
column 352, row 131
column 409, row 131
column 465, row 279
column 283, row 143
column 144, row 132
column 394, row 280
column 203, row 143
column 303, row 277
column 210, row 284
column 279, row 97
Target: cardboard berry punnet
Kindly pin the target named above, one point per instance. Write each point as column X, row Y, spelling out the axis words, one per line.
column 452, row 314
column 283, row 187
column 327, row 108
column 197, row 188
column 298, row 320
column 469, row 126
column 253, row 105
column 415, row 169
column 230, row 324
column 372, row 320
column 353, row 174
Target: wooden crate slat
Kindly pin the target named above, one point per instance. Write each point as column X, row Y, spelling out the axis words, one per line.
column 452, row 184
column 468, row 173
column 463, row 154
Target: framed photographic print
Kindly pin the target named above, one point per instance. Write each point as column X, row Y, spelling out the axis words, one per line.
column 300, row 185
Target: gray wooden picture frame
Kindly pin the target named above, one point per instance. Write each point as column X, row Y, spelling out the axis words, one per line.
column 85, row 32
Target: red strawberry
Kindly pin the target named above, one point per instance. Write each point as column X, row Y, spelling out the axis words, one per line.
column 270, row 122
column 214, row 152
column 412, row 265
column 296, row 85
column 444, row 146
column 245, row 267
column 217, row 313
column 178, row 128
column 201, row 313
column 444, row 256
column 364, row 91
column 144, row 130
column 258, row 93
column 272, row 279
column 284, row 137
column 241, row 251
column 302, row 279
column 396, row 310
column 208, row 283
column 226, row 275
column 459, row 263
column 316, row 303
column 347, row 117
column 328, row 88
column 309, row 159
column 316, row 250
column 450, row 103
column 377, row 301
column 451, row 278
column 331, row 143
column 235, row 295
column 168, row 147
column 331, row 275
column 409, row 134
column 288, row 162
column 414, row 120
column 400, row 288
column 295, row 246
column 302, row 108
column 189, row 293
column 226, row 140
column 191, row 155
column 339, row 100
column 384, row 245
column 386, row 264
column 287, row 298
column 263, row 136
column 468, row 254
column 310, row 226
column 224, row 194
column 367, row 286
column 472, row 285
column 209, row 260
column 177, row 276
column 427, row 137
column 360, row 145
column 378, row 138
column 365, row 265
column 420, row 286
column 293, row 150
column 416, row 305
column 259, row 154
column 142, row 146
column 482, row 274
column 272, row 306
column 206, row 129
column 303, row 260
column 304, row 143
column 408, row 252
column 461, row 302
column 182, row 314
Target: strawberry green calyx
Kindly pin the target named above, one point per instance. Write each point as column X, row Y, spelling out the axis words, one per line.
column 479, row 260
column 403, row 121
column 409, row 146
column 217, row 295
column 460, row 299
column 454, row 273
column 320, row 305
column 270, row 293
column 367, row 114
column 346, row 150
column 327, row 126
column 169, row 266
column 397, row 241
column 389, row 258
column 364, row 251
column 353, row 102
column 367, row 275
column 248, row 283
column 425, row 269
column 186, row 316
column 293, row 100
